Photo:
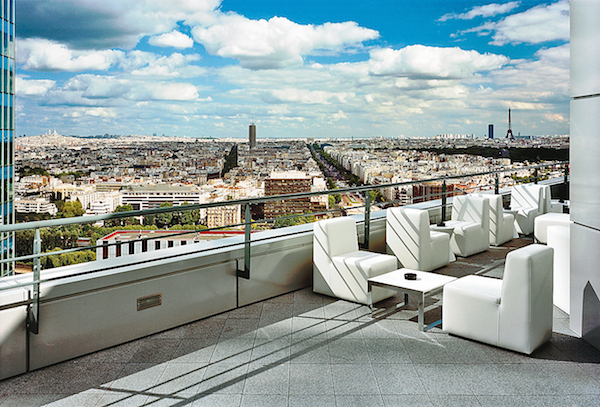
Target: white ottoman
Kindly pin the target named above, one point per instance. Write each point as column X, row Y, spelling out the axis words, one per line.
column 542, row 222
column 559, row 238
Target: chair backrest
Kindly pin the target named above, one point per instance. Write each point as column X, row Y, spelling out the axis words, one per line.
column 468, row 208
column 407, row 235
column 526, row 299
column 527, row 196
column 336, row 236
column 546, row 198
column 496, row 213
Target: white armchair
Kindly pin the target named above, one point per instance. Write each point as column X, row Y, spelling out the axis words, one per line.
column 529, row 202
column 543, row 222
column 340, row 269
column 408, row 237
column 513, row 313
column 502, row 225
column 471, row 222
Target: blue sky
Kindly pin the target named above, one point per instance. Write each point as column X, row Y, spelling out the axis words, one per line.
column 207, row 68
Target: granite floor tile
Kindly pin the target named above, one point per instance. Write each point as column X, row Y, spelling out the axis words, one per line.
column 406, row 400
column 268, row 379
column 272, row 400
column 307, row 400
column 180, row 379
column 505, row 401
column 454, row 401
column 311, row 379
column 426, row 351
column 276, row 351
column 387, row 351
column 354, row 379
column 29, row 400
column 442, row 379
column 218, row 400
column 348, row 351
column 359, row 400
column 193, row 351
column 563, row 401
column 137, row 377
column 398, row 379
column 485, row 379
column 310, row 351
column 239, row 329
column 156, row 351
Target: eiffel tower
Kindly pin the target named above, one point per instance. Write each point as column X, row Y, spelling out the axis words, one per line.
column 509, row 133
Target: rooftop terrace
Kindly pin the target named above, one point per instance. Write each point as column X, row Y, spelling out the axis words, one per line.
column 305, row 349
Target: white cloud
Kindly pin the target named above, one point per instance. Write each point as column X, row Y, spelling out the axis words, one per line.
column 489, row 10
column 174, row 65
column 539, row 24
column 92, row 24
column 291, row 95
column 278, row 42
column 173, row 39
column 32, row 87
column 419, row 61
column 44, row 55
column 163, row 91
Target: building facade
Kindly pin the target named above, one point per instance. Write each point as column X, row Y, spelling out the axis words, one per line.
column 7, row 128
column 280, row 183
column 252, row 135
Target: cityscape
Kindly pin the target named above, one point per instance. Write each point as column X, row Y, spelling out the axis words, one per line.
column 147, row 172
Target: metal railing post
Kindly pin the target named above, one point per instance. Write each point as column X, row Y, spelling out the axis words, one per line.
column 497, row 184
column 245, row 273
column 33, row 320
column 367, row 219
column 443, row 220
column 565, row 182
column 535, row 176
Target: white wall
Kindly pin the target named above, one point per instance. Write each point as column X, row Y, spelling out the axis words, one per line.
column 585, row 169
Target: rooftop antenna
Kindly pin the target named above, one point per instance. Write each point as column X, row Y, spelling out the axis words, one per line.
column 509, row 133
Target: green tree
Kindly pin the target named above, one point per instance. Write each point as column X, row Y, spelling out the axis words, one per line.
column 163, row 220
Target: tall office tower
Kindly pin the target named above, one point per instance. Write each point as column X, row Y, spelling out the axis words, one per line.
column 7, row 127
column 252, row 135
column 490, row 131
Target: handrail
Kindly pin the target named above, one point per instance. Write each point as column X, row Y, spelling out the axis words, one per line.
column 34, row 297
column 129, row 214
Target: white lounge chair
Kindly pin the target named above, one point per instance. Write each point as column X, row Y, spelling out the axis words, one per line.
column 513, row 313
column 340, row 269
column 409, row 238
column 471, row 222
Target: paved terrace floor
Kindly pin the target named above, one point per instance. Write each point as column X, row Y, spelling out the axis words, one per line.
column 305, row 349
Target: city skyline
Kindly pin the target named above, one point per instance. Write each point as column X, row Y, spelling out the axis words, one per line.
column 340, row 69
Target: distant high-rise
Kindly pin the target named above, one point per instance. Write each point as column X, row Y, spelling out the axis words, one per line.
column 7, row 128
column 490, row 131
column 252, row 135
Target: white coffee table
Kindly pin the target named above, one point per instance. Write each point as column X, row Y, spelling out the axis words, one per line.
column 426, row 285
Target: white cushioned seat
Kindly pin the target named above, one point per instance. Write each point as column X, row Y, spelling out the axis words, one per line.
column 542, row 222
column 471, row 221
column 502, row 225
column 513, row 313
column 340, row 269
column 408, row 237
column 529, row 202
column 559, row 238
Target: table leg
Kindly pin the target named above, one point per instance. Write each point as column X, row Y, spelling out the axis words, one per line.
column 421, row 305
column 370, row 297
